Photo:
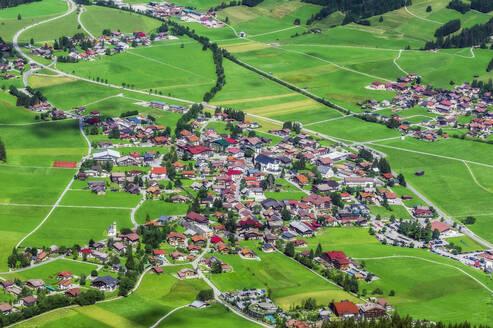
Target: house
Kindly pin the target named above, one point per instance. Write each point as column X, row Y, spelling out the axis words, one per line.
column 158, row 173
column 28, row 301
column 337, row 258
column 177, row 256
column 177, row 239
column 359, row 182
column 301, row 179
column 196, row 217
column 187, row 273
column 372, row 310
column 64, row 275
column 73, row 292
column 268, row 164
column 157, row 270
column 301, row 228
column 105, row 283
column 107, row 155
column 247, row 253
column 119, row 247
column 5, row 308
column 35, row 284
column 440, row 226
column 65, row 284
column 6, row 283
column 345, row 309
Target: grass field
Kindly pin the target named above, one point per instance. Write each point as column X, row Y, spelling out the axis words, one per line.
column 354, row 129
column 398, row 211
column 180, row 72
column 468, row 244
column 65, row 26
column 208, row 317
column 68, row 226
column 111, row 199
column 30, row 14
column 48, row 272
column 290, row 195
column 423, row 289
column 289, row 281
column 96, row 19
column 156, row 208
column 156, row 296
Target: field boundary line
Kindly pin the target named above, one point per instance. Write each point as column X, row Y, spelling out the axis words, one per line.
column 474, row 178
column 430, row 154
column 422, row 18
column 426, row 260
column 398, row 66
column 83, row 9
column 34, row 123
column 63, row 192
column 166, row 64
column 168, row 314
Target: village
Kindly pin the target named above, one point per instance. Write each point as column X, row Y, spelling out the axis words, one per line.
column 234, row 184
column 463, row 107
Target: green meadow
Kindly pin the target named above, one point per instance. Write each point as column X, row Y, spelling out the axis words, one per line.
column 209, row 317
column 428, row 290
column 48, row 272
column 77, row 225
column 156, row 296
column 289, row 281
column 156, row 208
column 96, row 19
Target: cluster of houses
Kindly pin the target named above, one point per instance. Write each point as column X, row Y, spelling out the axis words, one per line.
column 447, row 106
column 257, row 304
column 167, row 9
column 8, row 69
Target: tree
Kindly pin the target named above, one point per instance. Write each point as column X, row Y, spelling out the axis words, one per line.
column 402, row 180
column 82, row 281
column 392, row 293
column 318, row 251
column 205, row 295
column 126, row 285
column 490, row 65
column 470, row 220
column 130, row 264
column 216, row 267
column 31, row 42
column 380, row 19
column 435, row 234
column 19, row 17
column 297, row 21
column 289, row 250
column 3, row 152
column 428, row 9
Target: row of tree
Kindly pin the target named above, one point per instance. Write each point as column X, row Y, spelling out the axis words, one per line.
column 448, row 28
column 356, row 10
column 459, row 6
column 24, row 99
column 14, row 3
column 3, row 152
column 467, row 37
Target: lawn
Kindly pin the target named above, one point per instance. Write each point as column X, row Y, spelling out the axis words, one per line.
column 186, row 72
column 42, row 144
column 30, row 14
column 73, row 225
column 48, row 272
column 156, row 208
column 213, row 316
column 423, row 289
column 354, row 129
column 65, row 26
column 97, row 18
column 286, row 195
column 447, row 183
column 289, row 281
column 110, row 199
column 398, row 211
column 467, row 243
column 156, row 296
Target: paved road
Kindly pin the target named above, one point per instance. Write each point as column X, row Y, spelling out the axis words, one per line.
column 82, row 9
